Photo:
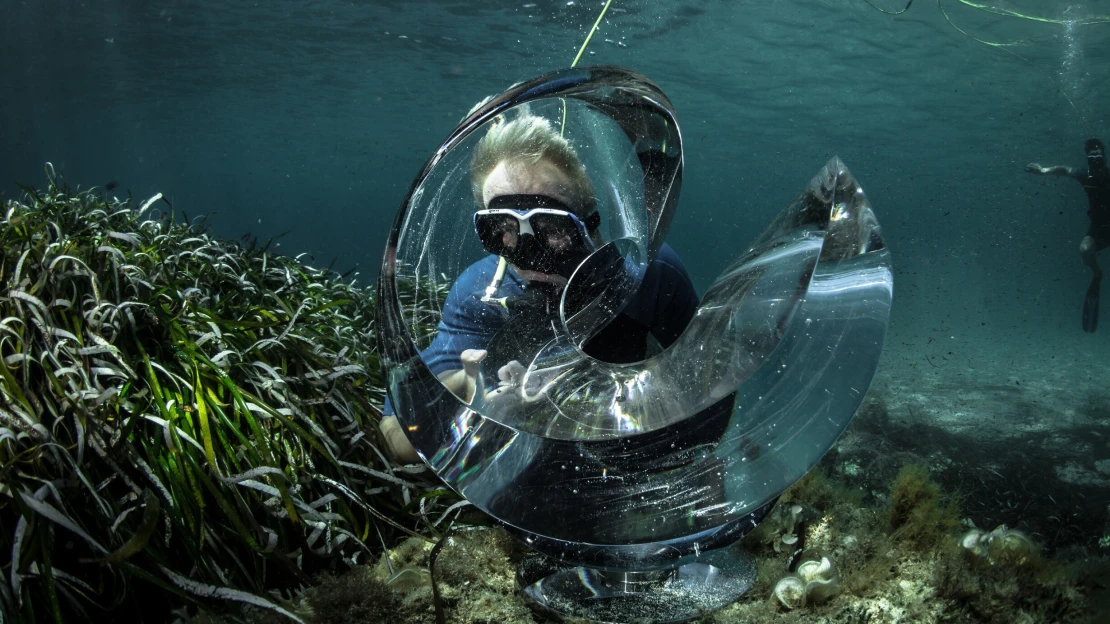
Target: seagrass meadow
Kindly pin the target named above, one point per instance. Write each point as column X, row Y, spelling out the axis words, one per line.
column 187, row 424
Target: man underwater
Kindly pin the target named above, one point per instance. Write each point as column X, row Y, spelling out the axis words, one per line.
column 1095, row 179
column 537, row 216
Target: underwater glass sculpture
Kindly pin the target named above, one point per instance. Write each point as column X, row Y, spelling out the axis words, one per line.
column 631, row 476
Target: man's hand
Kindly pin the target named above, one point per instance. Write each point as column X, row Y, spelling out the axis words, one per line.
column 511, row 375
column 508, row 390
column 463, row 381
column 399, row 445
column 471, row 361
column 1034, row 168
column 513, row 392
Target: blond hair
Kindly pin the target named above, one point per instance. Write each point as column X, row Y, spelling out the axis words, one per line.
column 528, row 139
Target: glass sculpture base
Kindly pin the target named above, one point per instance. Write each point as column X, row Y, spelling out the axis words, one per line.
column 712, row 581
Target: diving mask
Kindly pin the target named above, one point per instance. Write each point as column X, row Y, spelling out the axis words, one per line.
column 535, row 232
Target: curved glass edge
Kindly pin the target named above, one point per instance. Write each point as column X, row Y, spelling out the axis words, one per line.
column 738, row 325
column 571, row 396
column 708, row 470
column 647, row 556
column 630, row 99
column 422, row 259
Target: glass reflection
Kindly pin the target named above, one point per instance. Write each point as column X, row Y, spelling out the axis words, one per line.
column 574, row 374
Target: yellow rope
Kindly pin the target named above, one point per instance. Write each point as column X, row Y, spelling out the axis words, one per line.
column 585, row 43
column 581, row 51
column 1101, row 19
column 1005, row 46
column 501, row 262
column 986, row 8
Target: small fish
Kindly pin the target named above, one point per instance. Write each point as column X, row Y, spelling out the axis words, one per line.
column 111, row 185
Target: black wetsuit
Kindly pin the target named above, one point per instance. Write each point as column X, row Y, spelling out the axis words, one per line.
column 1097, row 187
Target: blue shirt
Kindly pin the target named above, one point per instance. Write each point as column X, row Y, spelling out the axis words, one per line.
column 662, row 307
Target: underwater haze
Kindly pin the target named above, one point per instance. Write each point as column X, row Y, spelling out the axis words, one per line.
column 310, row 120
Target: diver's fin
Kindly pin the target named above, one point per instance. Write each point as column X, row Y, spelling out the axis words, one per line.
column 1090, row 306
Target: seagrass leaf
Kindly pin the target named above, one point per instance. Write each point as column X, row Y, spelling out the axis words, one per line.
column 225, row 593
column 142, row 534
column 49, row 512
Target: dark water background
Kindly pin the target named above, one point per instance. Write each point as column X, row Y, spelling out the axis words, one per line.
column 313, row 117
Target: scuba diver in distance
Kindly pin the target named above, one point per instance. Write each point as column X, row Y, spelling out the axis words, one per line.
column 1095, row 179
column 538, row 220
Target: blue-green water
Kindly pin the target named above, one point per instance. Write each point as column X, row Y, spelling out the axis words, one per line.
column 312, row 118
column 315, row 116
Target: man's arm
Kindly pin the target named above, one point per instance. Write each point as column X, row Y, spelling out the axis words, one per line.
column 461, row 382
column 398, row 443
column 452, row 356
column 1056, row 170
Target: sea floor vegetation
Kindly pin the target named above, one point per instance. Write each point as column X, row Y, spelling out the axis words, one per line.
column 185, row 422
column 899, row 554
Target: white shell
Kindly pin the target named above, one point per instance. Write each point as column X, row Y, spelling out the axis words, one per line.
column 820, row 579
column 816, row 570
column 821, row 590
column 970, row 540
column 790, row 591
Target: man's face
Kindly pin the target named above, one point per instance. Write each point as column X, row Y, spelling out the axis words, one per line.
column 541, row 178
